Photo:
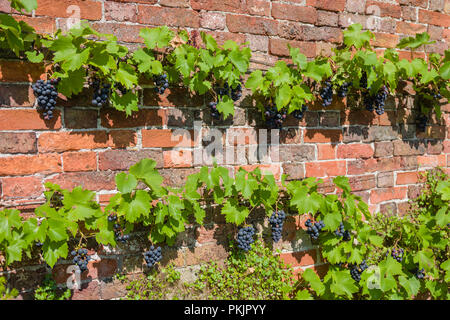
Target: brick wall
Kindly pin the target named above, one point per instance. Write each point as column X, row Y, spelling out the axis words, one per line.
column 87, row 146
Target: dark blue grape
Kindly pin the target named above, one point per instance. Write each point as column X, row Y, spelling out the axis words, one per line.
column 327, row 94
column 245, row 238
column 153, row 256
column 46, row 92
column 276, row 221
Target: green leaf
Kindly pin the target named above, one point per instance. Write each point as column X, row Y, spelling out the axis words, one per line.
column 411, row 285
column 138, row 207
column 34, row 56
column 353, row 36
column 157, row 37
column 343, row 284
column 239, row 59
column 303, row 295
column 127, row 102
column 255, row 80
column 56, row 230
column 314, row 281
column 52, row 251
column 145, row 170
column 126, row 75
column 225, row 106
column 444, row 70
column 234, row 213
column 414, row 42
column 126, row 183
column 298, row 58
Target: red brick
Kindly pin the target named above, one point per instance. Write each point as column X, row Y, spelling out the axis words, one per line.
column 385, row 179
column 435, row 18
column 40, row 24
column 89, row 291
column 80, row 118
column 360, row 183
column 172, row 97
column 29, row 72
column 416, row 3
column 28, row 119
column 295, row 13
column 407, row 177
column 16, row 95
column 13, row 142
column 386, row 9
column 410, row 28
column 95, row 181
column 177, row 158
column 241, row 136
column 384, row 149
column 217, row 5
column 175, row 3
column 408, row 55
column 405, row 148
column 21, row 187
column 80, row 161
column 325, row 168
column 120, row 12
column 380, row 195
column 106, row 268
column 295, row 171
column 432, row 161
column 89, row 9
column 268, row 169
column 252, row 25
column 350, row 151
column 124, row 32
column 112, row 118
column 213, row 20
column 67, row 141
column 326, row 151
column 330, row 5
column 302, row 258
column 25, row 165
column 172, row 17
column 321, row 135
column 385, row 40
column 157, row 138
column 124, row 159
column 279, row 47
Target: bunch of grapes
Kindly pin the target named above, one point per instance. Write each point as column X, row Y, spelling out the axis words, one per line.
column 46, row 93
column 356, row 271
column 118, row 234
column 327, row 94
column 363, row 80
column 112, row 217
column 368, row 101
column 299, row 114
column 421, row 122
column 397, row 254
column 101, row 93
column 419, row 273
column 39, row 244
column 215, row 114
column 277, row 221
column 161, row 83
column 245, row 238
column 81, row 259
column 274, row 118
column 236, row 93
column 343, row 89
column 314, row 228
column 341, row 232
column 380, row 99
column 152, row 256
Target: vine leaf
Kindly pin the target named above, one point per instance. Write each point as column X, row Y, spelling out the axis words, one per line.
column 353, row 36
column 126, row 183
column 314, row 280
column 156, row 37
column 233, row 213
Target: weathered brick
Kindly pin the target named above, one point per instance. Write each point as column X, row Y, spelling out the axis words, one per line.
column 294, row 171
column 252, row 25
column 407, row 177
column 120, row 11
column 351, row 151
column 89, row 291
column 325, row 168
column 172, row 17
column 205, row 253
column 175, row 3
column 279, row 47
column 409, row 13
column 29, row 72
column 412, row 147
column 178, row 159
column 385, row 179
column 172, row 97
column 212, row 20
column 217, row 5
column 124, row 159
column 384, row 149
column 68, row 141
column 435, row 18
column 25, row 165
column 79, row 161
column 21, row 187
column 431, row 161
column 386, row 9
column 385, row 40
column 330, row 5
column 359, row 183
column 322, row 135
column 295, row 13
column 27, row 119
column 327, row 18
column 302, row 258
column 297, row 153
column 326, row 151
column 111, row 118
column 14, row 142
column 416, row 3
column 410, row 28
column 389, row 208
column 380, row 195
column 80, row 118
column 90, row 10
column 156, row 138
column 94, row 181
column 356, row 6
column 16, row 95
column 329, row 34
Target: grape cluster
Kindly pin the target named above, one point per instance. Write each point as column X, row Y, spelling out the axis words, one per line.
column 363, row 80
column 299, row 114
column 39, row 244
column 236, row 93
column 81, row 259
column 397, row 254
column 422, row 121
column 152, row 256
column 341, row 232
column 245, row 238
column 215, row 114
column 368, row 101
column 314, row 228
column 356, row 271
column 46, row 93
column 118, row 234
column 276, row 221
column 162, row 83
column 101, row 93
column 380, row 99
column 419, row 273
column 343, row 89
column 327, row 94
column 274, row 117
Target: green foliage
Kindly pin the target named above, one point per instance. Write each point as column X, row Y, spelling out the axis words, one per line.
column 256, row 275
column 423, row 234
column 50, row 291
column 156, row 285
column 6, row 293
